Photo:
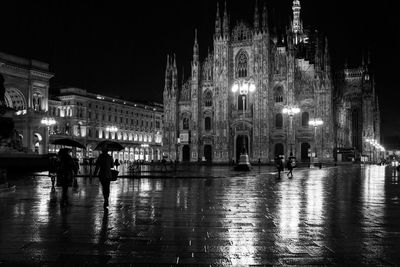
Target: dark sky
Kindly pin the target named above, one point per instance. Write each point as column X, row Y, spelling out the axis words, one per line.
column 119, row 47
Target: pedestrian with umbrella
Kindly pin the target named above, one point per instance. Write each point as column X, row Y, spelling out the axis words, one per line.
column 104, row 165
column 71, row 143
column 65, row 173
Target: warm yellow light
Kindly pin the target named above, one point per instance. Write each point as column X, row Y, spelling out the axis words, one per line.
column 235, row 87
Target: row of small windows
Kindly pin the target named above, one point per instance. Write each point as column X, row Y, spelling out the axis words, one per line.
column 305, row 117
column 125, row 136
column 278, row 121
column 207, row 123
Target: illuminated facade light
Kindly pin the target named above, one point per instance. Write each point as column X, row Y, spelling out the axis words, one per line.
column 315, row 122
column 112, row 129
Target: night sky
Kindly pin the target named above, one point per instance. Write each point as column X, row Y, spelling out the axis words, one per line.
column 119, row 47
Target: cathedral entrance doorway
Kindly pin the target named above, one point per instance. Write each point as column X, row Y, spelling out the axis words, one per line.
column 305, row 148
column 242, row 143
column 186, row 153
column 208, row 153
column 279, row 151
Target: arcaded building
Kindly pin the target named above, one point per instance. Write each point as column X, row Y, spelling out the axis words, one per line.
column 236, row 98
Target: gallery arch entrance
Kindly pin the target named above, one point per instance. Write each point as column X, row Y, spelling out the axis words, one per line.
column 242, row 145
column 208, row 153
column 186, row 153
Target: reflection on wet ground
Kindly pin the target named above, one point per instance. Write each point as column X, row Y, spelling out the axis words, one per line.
column 334, row 216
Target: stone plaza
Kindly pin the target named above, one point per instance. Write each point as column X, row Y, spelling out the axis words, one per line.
column 341, row 216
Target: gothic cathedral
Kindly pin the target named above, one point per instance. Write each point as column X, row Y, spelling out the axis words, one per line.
column 256, row 92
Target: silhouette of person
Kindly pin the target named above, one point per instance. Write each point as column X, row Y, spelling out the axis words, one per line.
column 65, row 173
column 104, row 164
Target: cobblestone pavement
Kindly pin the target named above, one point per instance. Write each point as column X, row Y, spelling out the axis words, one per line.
column 344, row 216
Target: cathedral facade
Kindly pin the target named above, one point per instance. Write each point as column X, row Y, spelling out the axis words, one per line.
column 240, row 98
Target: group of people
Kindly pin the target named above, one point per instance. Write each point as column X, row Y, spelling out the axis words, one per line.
column 65, row 168
column 290, row 165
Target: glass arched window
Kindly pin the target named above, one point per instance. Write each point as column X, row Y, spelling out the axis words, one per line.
column 185, row 123
column 304, row 119
column 207, row 123
column 279, row 121
column 241, row 65
column 208, row 98
column 278, row 94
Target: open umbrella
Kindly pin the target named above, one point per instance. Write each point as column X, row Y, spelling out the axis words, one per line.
column 109, row 145
column 67, row 142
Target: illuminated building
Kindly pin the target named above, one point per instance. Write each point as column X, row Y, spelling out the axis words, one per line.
column 27, row 87
column 90, row 118
column 208, row 118
column 357, row 112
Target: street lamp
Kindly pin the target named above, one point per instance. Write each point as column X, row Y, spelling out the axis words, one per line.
column 178, row 142
column 291, row 111
column 244, row 87
column 315, row 123
column 47, row 121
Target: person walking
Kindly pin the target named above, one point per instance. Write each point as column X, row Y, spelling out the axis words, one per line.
column 65, row 173
column 104, row 164
column 279, row 165
column 290, row 165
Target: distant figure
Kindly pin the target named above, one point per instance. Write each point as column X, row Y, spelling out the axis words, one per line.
column 104, row 164
column 76, row 171
column 116, row 163
column 164, row 164
column 279, row 165
column 259, row 162
column 53, row 167
column 291, row 163
column 65, row 173
column 90, row 166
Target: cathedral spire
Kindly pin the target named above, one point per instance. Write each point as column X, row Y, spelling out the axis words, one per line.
column 217, row 23
column 195, row 47
column 327, row 66
column 265, row 19
column 167, row 76
column 296, row 24
column 256, row 18
column 226, row 22
column 174, row 75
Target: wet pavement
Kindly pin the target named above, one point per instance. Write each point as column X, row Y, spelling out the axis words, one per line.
column 343, row 216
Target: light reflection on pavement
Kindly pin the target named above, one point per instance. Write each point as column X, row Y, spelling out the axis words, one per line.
column 335, row 216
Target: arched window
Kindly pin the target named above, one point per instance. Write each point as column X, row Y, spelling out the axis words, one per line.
column 304, row 119
column 207, row 123
column 208, row 98
column 241, row 65
column 279, row 121
column 185, row 123
column 278, row 94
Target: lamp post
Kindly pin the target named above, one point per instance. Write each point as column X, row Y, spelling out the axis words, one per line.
column 291, row 111
column 244, row 87
column 47, row 121
column 315, row 123
column 178, row 141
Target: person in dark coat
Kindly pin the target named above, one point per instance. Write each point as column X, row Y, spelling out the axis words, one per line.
column 279, row 165
column 65, row 173
column 291, row 163
column 104, row 164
